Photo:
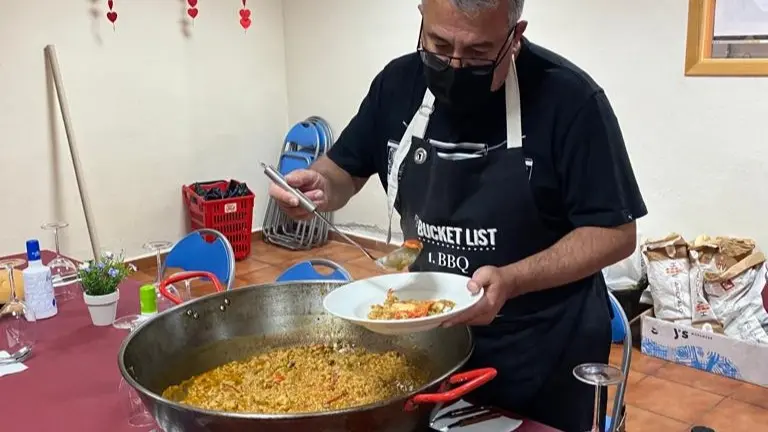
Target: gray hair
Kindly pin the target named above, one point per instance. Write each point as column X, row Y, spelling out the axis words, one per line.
column 473, row 6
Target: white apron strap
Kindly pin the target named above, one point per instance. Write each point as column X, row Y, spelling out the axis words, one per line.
column 416, row 128
column 514, row 122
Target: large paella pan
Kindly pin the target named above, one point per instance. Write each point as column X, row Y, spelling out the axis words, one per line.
column 268, row 358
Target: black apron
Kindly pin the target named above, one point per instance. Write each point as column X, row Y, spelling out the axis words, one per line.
column 477, row 210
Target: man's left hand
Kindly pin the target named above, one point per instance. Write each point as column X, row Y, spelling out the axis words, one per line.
column 497, row 291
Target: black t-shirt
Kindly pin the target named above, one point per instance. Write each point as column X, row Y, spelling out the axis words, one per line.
column 580, row 173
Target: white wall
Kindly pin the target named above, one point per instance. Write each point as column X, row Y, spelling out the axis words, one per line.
column 152, row 109
column 696, row 143
column 331, row 63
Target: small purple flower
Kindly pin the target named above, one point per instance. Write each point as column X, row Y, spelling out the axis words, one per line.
column 100, row 265
column 113, row 272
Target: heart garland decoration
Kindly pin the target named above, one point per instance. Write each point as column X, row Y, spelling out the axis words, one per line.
column 245, row 16
column 111, row 14
column 192, row 11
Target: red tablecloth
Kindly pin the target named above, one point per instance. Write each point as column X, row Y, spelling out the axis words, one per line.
column 72, row 381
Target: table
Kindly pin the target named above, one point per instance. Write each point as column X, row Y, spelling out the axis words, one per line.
column 73, row 377
column 72, row 381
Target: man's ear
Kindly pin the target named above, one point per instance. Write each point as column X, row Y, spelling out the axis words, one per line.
column 520, row 29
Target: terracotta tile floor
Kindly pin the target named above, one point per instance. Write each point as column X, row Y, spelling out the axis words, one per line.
column 661, row 396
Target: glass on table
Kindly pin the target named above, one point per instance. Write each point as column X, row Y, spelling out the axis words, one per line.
column 138, row 416
column 158, row 246
column 17, row 321
column 63, row 270
column 599, row 375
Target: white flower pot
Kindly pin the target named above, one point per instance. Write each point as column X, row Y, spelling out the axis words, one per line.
column 103, row 308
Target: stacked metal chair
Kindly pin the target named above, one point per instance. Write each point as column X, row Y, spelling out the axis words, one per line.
column 305, row 142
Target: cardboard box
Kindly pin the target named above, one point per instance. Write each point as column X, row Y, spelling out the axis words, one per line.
column 710, row 352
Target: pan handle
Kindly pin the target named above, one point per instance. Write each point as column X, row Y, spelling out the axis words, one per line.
column 182, row 276
column 469, row 380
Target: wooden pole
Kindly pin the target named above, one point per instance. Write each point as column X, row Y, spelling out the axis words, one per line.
column 53, row 63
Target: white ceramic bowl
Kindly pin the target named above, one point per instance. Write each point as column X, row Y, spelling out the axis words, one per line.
column 353, row 301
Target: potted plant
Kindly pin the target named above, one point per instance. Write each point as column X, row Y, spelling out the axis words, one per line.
column 100, row 279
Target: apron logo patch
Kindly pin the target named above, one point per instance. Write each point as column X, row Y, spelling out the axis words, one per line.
column 420, row 156
column 452, row 247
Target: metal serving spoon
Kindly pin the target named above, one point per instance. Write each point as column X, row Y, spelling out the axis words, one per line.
column 401, row 258
column 308, row 205
column 398, row 259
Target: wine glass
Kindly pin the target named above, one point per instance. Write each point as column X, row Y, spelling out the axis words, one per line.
column 138, row 416
column 599, row 375
column 16, row 321
column 158, row 247
column 63, row 270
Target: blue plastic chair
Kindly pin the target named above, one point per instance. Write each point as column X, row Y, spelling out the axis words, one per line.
column 293, row 161
column 325, row 133
column 620, row 326
column 617, row 327
column 306, row 271
column 304, row 137
column 303, row 144
column 204, row 250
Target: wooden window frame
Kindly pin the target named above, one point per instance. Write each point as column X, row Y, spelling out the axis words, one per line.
column 698, row 47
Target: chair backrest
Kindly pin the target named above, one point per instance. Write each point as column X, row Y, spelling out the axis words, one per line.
column 304, row 136
column 204, row 250
column 294, row 160
column 306, row 271
column 326, row 136
column 621, row 322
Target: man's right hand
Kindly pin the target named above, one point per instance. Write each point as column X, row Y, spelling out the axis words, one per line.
column 313, row 184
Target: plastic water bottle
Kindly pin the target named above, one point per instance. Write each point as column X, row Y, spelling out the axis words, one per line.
column 38, row 284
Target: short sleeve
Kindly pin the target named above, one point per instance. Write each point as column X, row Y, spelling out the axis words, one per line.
column 598, row 184
column 355, row 149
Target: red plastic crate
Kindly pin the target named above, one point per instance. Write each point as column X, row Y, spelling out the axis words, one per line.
column 232, row 217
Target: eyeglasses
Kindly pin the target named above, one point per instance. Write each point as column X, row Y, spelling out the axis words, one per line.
column 441, row 62
column 475, row 66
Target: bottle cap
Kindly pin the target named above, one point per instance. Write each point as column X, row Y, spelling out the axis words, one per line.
column 147, row 300
column 33, row 250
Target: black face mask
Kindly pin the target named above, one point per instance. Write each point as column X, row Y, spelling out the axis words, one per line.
column 464, row 88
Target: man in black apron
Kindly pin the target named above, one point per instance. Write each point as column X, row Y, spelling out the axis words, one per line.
column 507, row 162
